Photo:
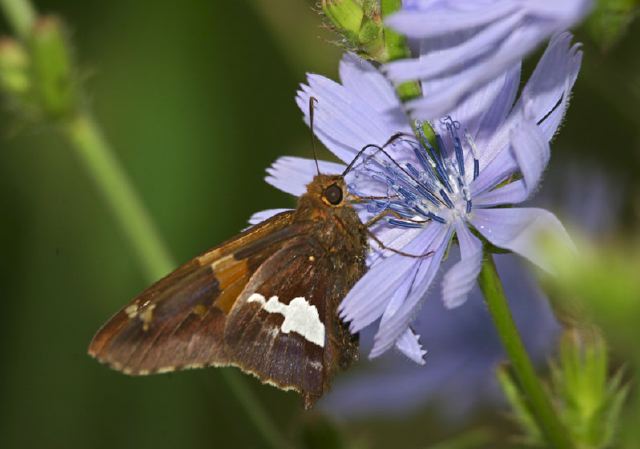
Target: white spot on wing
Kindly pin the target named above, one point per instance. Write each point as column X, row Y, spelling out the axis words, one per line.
column 299, row 317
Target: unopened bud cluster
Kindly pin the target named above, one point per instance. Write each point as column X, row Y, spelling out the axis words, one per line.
column 361, row 25
column 36, row 74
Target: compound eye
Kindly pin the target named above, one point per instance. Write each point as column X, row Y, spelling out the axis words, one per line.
column 333, row 194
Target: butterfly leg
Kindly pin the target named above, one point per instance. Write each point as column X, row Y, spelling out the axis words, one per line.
column 381, row 244
column 388, row 212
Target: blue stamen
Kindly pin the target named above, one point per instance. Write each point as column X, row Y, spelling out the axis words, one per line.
column 404, row 224
column 428, row 195
column 440, row 166
column 437, row 218
column 408, row 195
column 446, row 199
column 421, row 211
column 476, row 169
column 457, row 145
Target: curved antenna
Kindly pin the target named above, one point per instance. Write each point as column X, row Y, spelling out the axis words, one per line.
column 383, row 151
column 392, row 139
column 312, row 102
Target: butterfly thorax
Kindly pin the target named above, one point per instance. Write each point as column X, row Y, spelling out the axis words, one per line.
column 339, row 229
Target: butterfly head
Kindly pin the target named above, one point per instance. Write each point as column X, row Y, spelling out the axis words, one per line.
column 331, row 190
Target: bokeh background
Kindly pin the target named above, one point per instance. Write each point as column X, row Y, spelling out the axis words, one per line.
column 197, row 100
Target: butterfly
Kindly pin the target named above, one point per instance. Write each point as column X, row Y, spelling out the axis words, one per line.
column 264, row 301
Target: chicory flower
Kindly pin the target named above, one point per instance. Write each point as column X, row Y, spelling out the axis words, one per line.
column 489, row 153
column 464, row 44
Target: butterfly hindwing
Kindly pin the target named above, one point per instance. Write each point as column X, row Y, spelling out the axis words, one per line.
column 284, row 327
column 179, row 321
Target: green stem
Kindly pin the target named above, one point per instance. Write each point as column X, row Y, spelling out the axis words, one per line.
column 102, row 166
column 20, row 15
column 538, row 401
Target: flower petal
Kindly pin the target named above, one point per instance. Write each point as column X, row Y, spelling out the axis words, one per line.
column 263, row 215
column 520, row 230
column 409, row 345
column 395, row 320
column 566, row 13
column 460, row 279
column 371, row 295
column 513, row 193
column 452, row 52
column 532, row 151
column 456, row 86
column 346, row 120
column 506, row 86
column 494, row 172
column 292, row 174
column 551, row 83
column 435, row 18
column 366, row 82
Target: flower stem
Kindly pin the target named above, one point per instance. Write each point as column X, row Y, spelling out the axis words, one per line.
column 99, row 161
column 538, row 401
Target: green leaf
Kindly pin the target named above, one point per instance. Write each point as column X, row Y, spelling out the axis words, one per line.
column 520, row 412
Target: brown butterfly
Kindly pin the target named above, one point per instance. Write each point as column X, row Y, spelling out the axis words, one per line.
column 265, row 301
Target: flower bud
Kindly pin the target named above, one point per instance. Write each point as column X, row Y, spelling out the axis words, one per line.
column 587, row 398
column 52, row 69
column 346, row 16
column 361, row 24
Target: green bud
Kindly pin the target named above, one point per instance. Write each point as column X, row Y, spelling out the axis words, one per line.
column 346, row 16
column 587, row 399
column 14, row 64
column 361, row 24
column 54, row 85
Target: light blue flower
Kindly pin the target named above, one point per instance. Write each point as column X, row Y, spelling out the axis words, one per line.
column 464, row 44
column 464, row 348
column 491, row 153
column 464, row 351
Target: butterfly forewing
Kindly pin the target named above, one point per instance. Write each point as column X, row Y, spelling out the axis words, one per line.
column 179, row 321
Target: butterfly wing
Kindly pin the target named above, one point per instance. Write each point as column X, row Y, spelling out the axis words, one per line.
column 284, row 327
column 265, row 302
column 179, row 321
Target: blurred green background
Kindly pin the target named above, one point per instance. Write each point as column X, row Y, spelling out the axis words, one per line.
column 197, row 100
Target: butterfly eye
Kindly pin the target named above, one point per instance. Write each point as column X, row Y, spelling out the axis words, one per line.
column 333, row 194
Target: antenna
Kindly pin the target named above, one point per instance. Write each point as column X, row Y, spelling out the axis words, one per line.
column 396, row 136
column 312, row 101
